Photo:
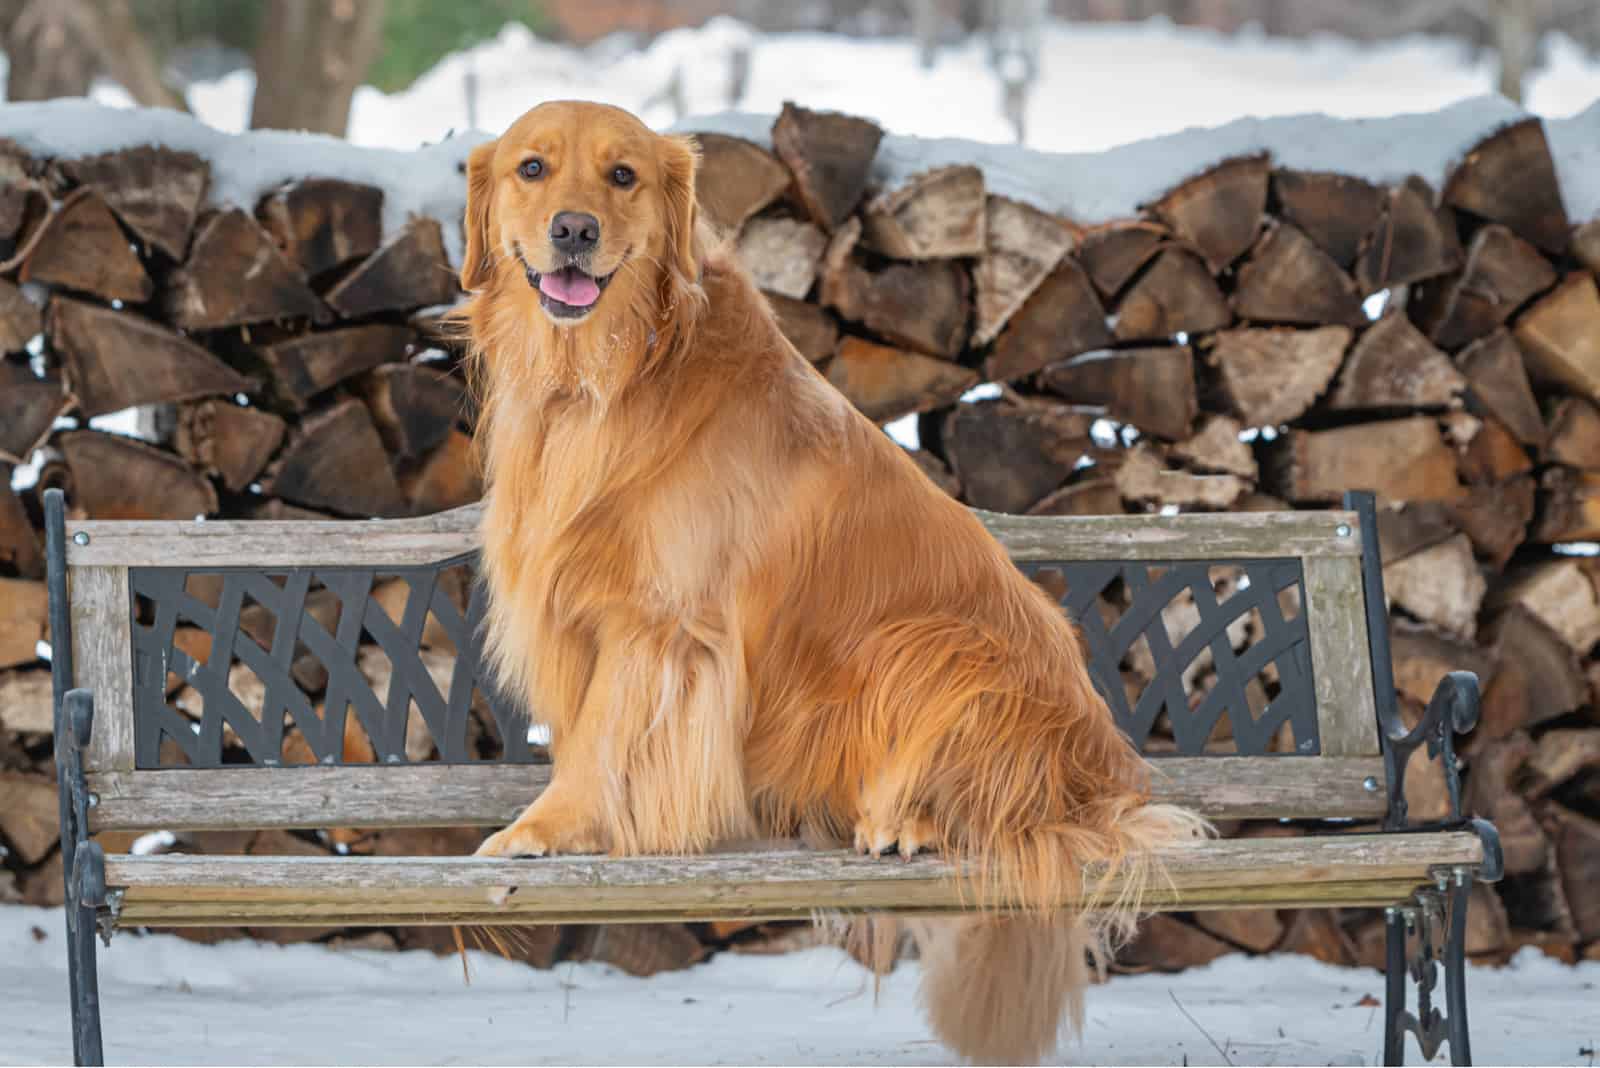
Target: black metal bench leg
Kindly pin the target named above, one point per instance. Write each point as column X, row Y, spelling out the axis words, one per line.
column 1425, row 937
column 1455, row 971
column 84, row 982
column 1394, row 1001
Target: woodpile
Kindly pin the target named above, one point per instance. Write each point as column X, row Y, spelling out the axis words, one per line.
column 1257, row 337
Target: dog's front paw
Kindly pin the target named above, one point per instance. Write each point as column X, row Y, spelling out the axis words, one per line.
column 908, row 837
column 518, row 840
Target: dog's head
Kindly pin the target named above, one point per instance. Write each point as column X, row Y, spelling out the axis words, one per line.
column 580, row 203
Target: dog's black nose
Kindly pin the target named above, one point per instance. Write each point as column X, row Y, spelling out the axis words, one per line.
column 573, row 232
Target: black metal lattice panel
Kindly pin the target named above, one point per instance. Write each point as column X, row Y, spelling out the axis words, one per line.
column 1219, row 639
column 264, row 631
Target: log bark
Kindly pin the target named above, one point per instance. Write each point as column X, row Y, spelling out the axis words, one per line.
column 809, row 328
column 1411, row 242
column 304, row 366
column 447, row 477
column 1096, row 496
column 1424, row 655
column 408, row 271
column 782, row 254
column 1585, row 245
column 1022, row 246
column 156, row 191
column 736, row 180
column 1501, row 274
column 1255, row 930
column 830, row 156
column 1574, row 434
column 1008, row 456
column 1115, row 253
column 227, row 441
column 320, row 224
column 1219, row 212
column 1498, row 383
column 1441, row 585
column 20, row 319
column 939, row 214
column 937, row 470
column 1271, row 376
column 1143, row 477
column 1061, row 319
column 1569, row 506
column 1400, row 460
column 1560, row 755
column 1394, row 367
column 335, row 461
column 1176, row 295
column 207, row 293
column 1150, row 388
column 415, row 407
column 1560, row 337
column 1496, row 517
column 29, row 407
column 119, row 478
column 1541, row 670
column 19, row 542
column 1561, row 594
column 1510, row 178
column 1334, row 210
column 116, row 360
column 921, row 306
column 29, row 814
column 1288, row 279
column 82, row 248
column 24, row 620
column 886, row 383
column 1577, row 859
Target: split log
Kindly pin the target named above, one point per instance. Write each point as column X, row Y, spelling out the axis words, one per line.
column 227, row 441
column 1216, row 449
column 24, row 620
column 1411, row 242
column 1440, row 585
column 1288, row 279
column 1561, row 754
column 886, row 383
column 1546, row 678
column 1487, row 452
column 1219, row 212
column 1022, row 245
column 1114, row 253
column 1489, row 793
column 1150, row 388
column 1144, row 478
column 735, row 180
column 208, row 292
column 29, row 407
column 322, row 605
column 29, row 814
column 1411, row 527
column 1586, row 245
column 20, row 319
column 1270, row 376
column 922, row 306
column 1176, row 295
column 1394, row 366
column 19, row 542
column 1502, row 273
column 830, row 156
column 1510, row 178
column 1063, row 318
column 1559, row 593
column 1400, row 459
column 115, row 360
column 157, row 192
column 323, row 223
column 82, row 248
column 1560, row 337
column 1495, row 516
column 447, row 478
column 304, row 366
column 336, row 461
column 1095, row 496
column 937, row 470
column 811, row 329
column 1574, row 434
column 1577, row 859
column 782, row 254
column 115, row 477
column 408, row 271
column 1499, row 384
column 1536, row 902
column 415, row 407
column 938, row 214
column 1255, row 930
column 1424, row 655
column 639, row 949
column 1165, row 943
column 1569, row 506
column 1008, row 456
column 26, row 703
column 1336, row 211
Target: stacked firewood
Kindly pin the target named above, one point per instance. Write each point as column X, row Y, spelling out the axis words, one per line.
column 1256, row 338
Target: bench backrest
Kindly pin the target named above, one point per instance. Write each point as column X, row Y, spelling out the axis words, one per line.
column 274, row 674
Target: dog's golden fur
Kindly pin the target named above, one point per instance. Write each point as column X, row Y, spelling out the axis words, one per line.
column 743, row 610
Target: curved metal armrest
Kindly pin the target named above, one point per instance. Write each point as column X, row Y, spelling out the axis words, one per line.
column 1452, row 710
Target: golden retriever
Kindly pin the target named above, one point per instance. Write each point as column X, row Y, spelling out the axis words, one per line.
column 740, row 607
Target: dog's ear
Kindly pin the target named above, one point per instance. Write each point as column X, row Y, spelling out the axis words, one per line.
column 477, row 259
column 680, row 159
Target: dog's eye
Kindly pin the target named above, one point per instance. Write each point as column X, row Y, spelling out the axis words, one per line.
column 531, row 169
column 623, row 177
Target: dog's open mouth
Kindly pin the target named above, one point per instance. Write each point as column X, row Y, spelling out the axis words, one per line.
column 567, row 293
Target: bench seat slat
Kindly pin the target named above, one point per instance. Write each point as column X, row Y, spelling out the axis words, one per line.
column 193, row 890
column 421, row 795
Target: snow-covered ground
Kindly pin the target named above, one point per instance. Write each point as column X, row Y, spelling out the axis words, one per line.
column 168, row 1001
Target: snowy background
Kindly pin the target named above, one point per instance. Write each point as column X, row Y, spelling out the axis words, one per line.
column 171, row 1001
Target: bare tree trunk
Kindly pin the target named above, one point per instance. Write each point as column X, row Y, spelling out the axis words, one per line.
column 312, row 56
column 1514, row 30
column 47, row 53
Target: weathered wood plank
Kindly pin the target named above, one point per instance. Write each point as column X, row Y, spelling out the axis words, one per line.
column 1340, row 658
column 438, row 795
column 102, row 659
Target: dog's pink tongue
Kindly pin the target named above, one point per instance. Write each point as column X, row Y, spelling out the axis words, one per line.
column 570, row 286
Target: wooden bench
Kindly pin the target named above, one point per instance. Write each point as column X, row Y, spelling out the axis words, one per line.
column 1287, row 608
